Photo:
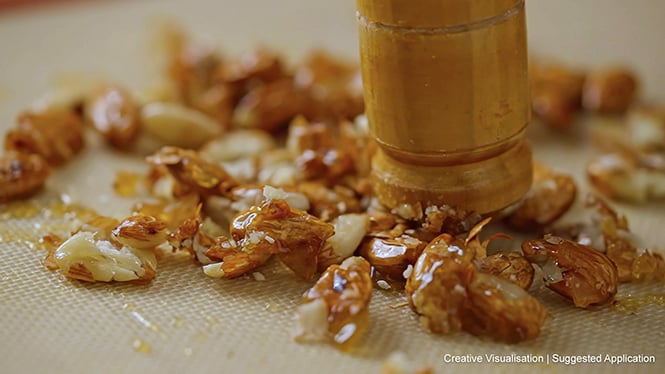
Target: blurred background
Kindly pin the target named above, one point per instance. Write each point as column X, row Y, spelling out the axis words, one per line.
column 40, row 39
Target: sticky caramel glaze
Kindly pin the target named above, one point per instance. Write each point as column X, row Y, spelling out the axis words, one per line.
column 446, row 93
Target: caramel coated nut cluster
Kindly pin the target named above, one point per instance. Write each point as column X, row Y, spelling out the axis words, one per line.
column 559, row 93
column 250, row 160
column 631, row 165
column 451, row 293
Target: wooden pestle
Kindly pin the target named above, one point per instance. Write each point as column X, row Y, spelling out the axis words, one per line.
column 447, row 100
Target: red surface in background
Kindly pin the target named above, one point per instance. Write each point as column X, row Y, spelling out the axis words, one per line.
column 7, row 5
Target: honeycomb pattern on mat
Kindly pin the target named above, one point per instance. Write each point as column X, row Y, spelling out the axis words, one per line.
column 190, row 321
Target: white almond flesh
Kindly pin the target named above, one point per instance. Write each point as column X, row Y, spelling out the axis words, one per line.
column 178, row 125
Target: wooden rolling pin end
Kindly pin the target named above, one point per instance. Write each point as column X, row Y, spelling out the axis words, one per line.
column 447, row 100
column 485, row 186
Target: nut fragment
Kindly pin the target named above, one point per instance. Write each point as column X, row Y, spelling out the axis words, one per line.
column 391, row 257
column 113, row 113
column 278, row 174
column 511, row 266
column 328, row 203
column 588, row 276
column 609, row 91
column 196, row 235
column 84, row 257
column 191, row 66
column 633, row 264
column 646, row 128
column 177, row 125
column 140, row 232
column 634, row 177
column 341, row 295
column 239, row 257
column 295, row 200
column 270, row 106
column 308, row 136
column 259, row 64
column 194, row 172
column 349, row 232
column 554, row 109
column 358, row 144
column 328, row 166
column 173, row 213
column 238, row 144
column 271, row 228
column 334, row 87
column 501, row 310
column 550, row 196
column 300, row 236
column 556, row 92
column 440, row 219
column 450, row 294
column 21, row 175
column 57, row 136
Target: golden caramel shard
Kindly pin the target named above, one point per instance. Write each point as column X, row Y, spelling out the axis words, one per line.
column 101, row 226
column 585, row 276
column 336, row 307
column 127, row 183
